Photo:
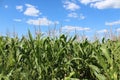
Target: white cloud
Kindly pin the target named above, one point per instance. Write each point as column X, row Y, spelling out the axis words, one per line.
column 118, row 29
column 31, row 10
column 17, row 20
column 6, row 6
column 107, row 4
column 67, row 20
column 20, row 8
column 113, row 23
column 70, row 6
column 102, row 31
column 41, row 21
column 102, row 4
column 82, row 16
column 88, row 1
column 56, row 22
column 73, row 28
column 75, row 15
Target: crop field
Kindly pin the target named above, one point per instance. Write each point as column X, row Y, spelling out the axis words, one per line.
column 58, row 58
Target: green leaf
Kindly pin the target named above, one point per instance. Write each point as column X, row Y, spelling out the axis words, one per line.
column 96, row 71
column 107, row 54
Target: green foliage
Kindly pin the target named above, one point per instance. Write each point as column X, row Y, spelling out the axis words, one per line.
column 60, row 58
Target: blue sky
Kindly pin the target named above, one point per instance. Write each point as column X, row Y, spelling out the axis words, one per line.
column 89, row 16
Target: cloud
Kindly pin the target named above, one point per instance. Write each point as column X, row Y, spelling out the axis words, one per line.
column 71, row 6
column 20, row 8
column 118, row 29
column 102, row 31
column 67, row 20
column 73, row 28
column 6, row 6
column 75, row 15
column 102, row 4
column 17, row 20
column 31, row 10
column 113, row 23
column 107, row 4
column 41, row 21
column 88, row 1
column 82, row 16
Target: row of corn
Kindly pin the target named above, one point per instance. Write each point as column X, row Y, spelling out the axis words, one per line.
column 58, row 58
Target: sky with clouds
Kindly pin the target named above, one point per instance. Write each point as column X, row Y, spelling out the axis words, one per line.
column 89, row 16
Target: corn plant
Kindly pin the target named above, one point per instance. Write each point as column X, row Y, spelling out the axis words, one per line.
column 58, row 58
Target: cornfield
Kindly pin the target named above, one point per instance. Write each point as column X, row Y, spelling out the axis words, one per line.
column 58, row 58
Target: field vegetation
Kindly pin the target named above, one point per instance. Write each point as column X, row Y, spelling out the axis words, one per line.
column 58, row 58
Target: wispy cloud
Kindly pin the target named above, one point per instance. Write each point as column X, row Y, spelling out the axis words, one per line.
column 88, row 1
column 102, row 4
column 71, row 6
column 113, row 23
column 67, row 20
column 75, row 15
column 82, row 16
column 77, row 28
column 41, row 21
column 17, row 20
column 102, row 31
column 118, row 29
column 6, row 6
column 20, row 8
column 31, row 10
